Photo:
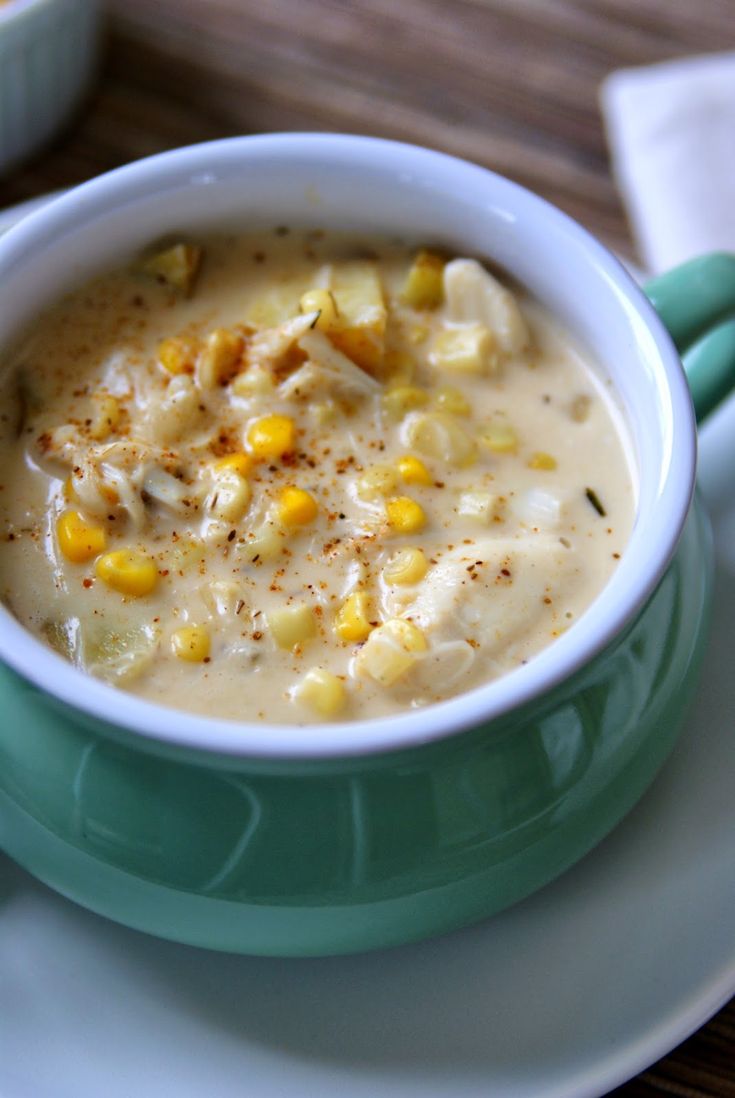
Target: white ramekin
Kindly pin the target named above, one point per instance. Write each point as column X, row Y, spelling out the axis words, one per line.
column 48, row 51
column 380, row 187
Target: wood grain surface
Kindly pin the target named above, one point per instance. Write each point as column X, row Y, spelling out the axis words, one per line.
column 512, row 84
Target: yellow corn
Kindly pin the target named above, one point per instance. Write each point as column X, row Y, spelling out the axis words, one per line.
column 499, row 436
column 106, row 417
column 79, row 541
column 255, row 381
column 352, row 622
column 191, row 643
column 178, row 354
column 391, row 650
column 271, row 437
column 400, row 367
column 377, row 480
column 323, row 412
column 296, row 507
column 541, row 460
column 241, row 463
column 405, row 515
column 219, row 357
column 291, row 625
column 423, row 288
column 178, row 266
column 453, row 401
column 468, row 350
column 322, row 691
column 128, row 571
column 413, row 470
column 408, row 566
column 400, row 399
column 322, row 302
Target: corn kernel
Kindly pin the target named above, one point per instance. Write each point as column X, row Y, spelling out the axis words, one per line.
column 264, row 545
column 271, row 436
column 322, row 302
column 406, row 567
column 323, row 412
column 400, row 399
column 424, row 288
column 322, row 691
column 296, row 507
column 255, row 381
column 352, row 622
column 377, row 480
column 178, row 354
column 106, row 417
column 79, row 541
column 391, row 651
column 291, row 625
column 219, row 358
column 453, row 401
column 178, row 266
column 468, row 350
column 191, row 643
column 499, row 436
column 128, row 571
column 405, row 515
column 413, row 470
column 230, row 495
column 541, row 460
column 417, row 333
column 240, row 462
column 400, row 367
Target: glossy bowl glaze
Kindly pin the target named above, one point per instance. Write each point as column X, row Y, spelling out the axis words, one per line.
column 282, row 840
column 48, row 54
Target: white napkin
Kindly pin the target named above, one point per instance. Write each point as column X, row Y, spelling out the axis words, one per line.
column 671, row 130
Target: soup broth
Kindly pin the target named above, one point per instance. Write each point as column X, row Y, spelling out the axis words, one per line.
column 292, row 477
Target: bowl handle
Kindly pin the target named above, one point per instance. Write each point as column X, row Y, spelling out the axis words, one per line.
column 696, row 302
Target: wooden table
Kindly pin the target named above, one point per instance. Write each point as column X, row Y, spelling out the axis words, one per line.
column 509, row 83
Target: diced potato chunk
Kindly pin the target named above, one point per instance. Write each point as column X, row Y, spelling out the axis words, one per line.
column 230, row 496
column 424, row 288
column 391, row 651
column 362, row 314
column 178, row 266
column 466, row 350
column 292, row 626
column 474, row 296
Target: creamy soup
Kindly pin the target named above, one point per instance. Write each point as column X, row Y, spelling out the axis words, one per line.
column 294, row 477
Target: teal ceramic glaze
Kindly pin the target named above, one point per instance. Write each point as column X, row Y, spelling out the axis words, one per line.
column 344, row 855
column 271, row 853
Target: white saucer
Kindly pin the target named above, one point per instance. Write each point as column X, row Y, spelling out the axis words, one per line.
column 567, row 995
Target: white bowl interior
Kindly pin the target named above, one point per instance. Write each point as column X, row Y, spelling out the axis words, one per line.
column 384, row 188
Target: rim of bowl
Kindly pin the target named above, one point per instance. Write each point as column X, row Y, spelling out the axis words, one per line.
column 647, row 553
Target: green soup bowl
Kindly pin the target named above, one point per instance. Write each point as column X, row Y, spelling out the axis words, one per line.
column 340, row 837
